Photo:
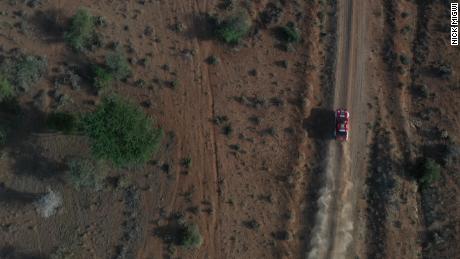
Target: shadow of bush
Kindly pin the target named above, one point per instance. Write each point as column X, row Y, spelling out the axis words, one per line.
column 320, row 124
column 8, row 195
column 22, row 125
column 10, row 252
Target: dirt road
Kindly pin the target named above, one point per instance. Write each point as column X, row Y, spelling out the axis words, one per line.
column 346, row 161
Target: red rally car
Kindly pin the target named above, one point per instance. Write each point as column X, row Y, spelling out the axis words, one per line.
column 342, row 117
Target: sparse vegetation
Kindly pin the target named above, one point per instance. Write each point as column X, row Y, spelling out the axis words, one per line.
column 268, row 131
column 271, row 13
column 220, row 119
column 226, row 4
column 406, row 29
column 213, row 60
column 404, row 14
column 235, row 147
column 85, row 173
column 180, row 233
column 121, row 133
column 82, row 33
column 48, row 204
column 276, row 101
column 178, row 27
column 140, row 83
column 253, row 102
column 118, row 65
column 186, row 162
column 404, row 59
column 289, row 33
column 69, row 77
column 30, row 69
column 251, row 224
column 102, row 78
column 442, row 70
column 31, row 3
column 282, row 235
column 421, row 91
column 174, row 83
column 21, row 72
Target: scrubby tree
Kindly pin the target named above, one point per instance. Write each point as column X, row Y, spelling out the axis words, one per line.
column 190, row 236
column 121, row 132
column 81, row 33
column 118, row 65
column 233, row 29
column 102, row 78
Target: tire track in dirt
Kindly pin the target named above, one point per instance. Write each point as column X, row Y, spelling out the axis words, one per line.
column 212, row 237
column 203, row 49
column 206, row 182
column 345, row 161
column 192, row 99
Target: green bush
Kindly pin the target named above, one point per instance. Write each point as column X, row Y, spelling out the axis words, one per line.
column 190, row 236
column 60, row 121
column 81, row 33
column 118, row 65
column 233, row 29
column 85, row 173
column 121, row 133
column 430, row 171
column 102, row 78
column 6, row 89
column 289, row 33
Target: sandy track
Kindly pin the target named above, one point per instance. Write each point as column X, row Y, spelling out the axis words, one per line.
column 346, row 161
column 349, row 93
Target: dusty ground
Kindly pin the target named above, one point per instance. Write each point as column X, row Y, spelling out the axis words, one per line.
column 223, row 189
column 271, row 170
column 395, row 208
